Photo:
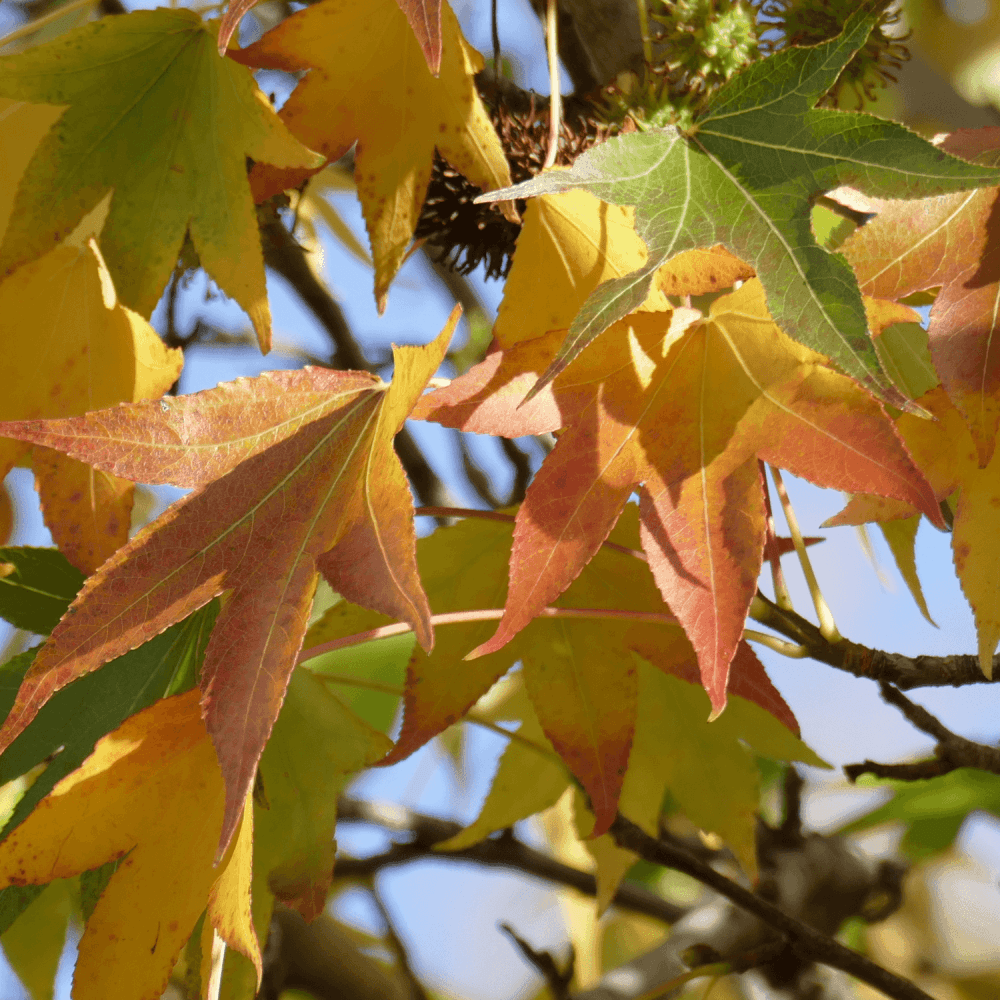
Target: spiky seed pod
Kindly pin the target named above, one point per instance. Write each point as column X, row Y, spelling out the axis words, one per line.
column 809, row 22
column 463, row 235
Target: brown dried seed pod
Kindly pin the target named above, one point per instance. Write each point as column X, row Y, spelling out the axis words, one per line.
column 461, row 234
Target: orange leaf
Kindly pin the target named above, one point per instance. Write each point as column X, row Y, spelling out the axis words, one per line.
column 676, row 408
column 328, row 495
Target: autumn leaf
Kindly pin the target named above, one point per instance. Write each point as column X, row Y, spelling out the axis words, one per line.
column 60, row 316
column 315, row 442
column 944, row 450
column 578, row 671
column 150, row 103
column 346, row 47
column 674, row 749
column 66, row 728
column 678, row 408
column 572, row 242
column 947, row 242
column 151, row 794
column 707, row 767
column 745, row 175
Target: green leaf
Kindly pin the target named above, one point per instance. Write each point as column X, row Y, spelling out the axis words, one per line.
column 150, row 106
column 746, row 176
column 93, row 884
column 37, row 587
column 14, row 900
column 933, row 810
column 75, row 718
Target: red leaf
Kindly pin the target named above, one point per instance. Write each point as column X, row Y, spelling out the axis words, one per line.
column 424, row 17
column 303, row 487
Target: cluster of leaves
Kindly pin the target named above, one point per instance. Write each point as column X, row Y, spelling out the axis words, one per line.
column 166, row 689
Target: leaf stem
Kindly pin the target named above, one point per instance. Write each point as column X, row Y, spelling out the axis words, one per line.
column 482, row 615
column 791, row 650
column 827, row 626
column 555, row 95
column 647, row 47
column 32, row 26
column 781, row 595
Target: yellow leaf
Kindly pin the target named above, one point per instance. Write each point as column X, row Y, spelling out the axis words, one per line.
column 901, row 536
column 61, row 322
column 510, row 797
column 570, row 243
column 22, row 127
column 347, row 47
column 151, row 794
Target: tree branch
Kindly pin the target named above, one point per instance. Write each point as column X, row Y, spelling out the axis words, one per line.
column 952, row 751
column 905, row 672
column 804, row 940
column 505, row 851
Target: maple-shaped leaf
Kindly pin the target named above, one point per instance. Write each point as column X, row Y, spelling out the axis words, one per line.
column 60, row 315
column 679, row 408
column 150, row 104
column 578, row 671
column 948, row 242
column 296, row 474
column 570, row 243
column 706, row 766
column 745, row 175
column 944, row 450
column 150, row 794
column 317, row 743
column 348, row 48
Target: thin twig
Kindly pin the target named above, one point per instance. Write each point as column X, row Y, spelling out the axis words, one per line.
column 952, row 751
column 556, row 979
column 504, row 851
column 806, row 941
column 555, row 94
column 417, row 991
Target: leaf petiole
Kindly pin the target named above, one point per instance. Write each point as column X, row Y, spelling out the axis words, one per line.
column 482, row 615
column 827, row 626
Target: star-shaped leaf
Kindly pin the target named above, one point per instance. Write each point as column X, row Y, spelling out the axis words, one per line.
column 948, row 242
column 150, row 794
column 578, row 670
column 296, row 474
column 347, row 48
column 945, row 451
column 679, row 408
column 150, row 104
column 746, row 175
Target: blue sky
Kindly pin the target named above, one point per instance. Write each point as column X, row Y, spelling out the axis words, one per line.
column 449, row 912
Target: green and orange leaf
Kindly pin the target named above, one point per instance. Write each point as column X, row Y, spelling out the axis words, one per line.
column 311, row 485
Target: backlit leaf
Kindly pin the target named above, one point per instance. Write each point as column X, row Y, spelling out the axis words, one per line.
column 746, row 175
